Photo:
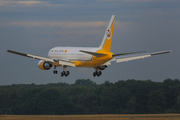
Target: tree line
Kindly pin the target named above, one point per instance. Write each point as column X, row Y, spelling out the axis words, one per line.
column 87, row 97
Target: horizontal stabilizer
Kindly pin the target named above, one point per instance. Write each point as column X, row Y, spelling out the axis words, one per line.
column 93, row 53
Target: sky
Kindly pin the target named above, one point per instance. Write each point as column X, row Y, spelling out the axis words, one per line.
column 34, row 27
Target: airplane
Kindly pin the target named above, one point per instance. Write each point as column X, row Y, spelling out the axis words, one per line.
column 92, row 57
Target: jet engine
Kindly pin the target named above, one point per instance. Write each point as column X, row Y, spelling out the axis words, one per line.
column 102, row 67
column 43, row 65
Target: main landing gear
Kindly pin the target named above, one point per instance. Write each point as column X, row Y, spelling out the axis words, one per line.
column 97, row 73
column 64, row 73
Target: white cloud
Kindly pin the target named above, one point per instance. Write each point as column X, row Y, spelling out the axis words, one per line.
column 30, row 2
column 10, row 3
column 60, row 24
column 138, row 0
column 95, row 30
column 66, row 28
column 24, row 3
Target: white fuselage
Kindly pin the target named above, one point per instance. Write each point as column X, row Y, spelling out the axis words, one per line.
column 71, row 53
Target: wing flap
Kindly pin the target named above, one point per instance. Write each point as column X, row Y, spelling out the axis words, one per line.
column 67, row 63
column 40, row 58
column 107, row 63
column 115, row 55
column 126, row 59
column 141, row 56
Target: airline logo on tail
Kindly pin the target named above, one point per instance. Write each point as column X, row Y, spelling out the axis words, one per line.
column 108, row 33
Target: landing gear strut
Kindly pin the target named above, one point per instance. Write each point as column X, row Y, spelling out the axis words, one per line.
column 98, row 73
column 55, row 71
column 64, row 73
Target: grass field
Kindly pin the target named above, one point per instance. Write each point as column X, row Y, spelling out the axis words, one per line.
column 93, row 117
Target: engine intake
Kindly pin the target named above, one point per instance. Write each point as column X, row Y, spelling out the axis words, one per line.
column 43, row 65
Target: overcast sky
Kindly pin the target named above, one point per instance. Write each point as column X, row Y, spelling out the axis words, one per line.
column 35, row 27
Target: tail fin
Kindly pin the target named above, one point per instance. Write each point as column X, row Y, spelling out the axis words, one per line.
column 106, row 42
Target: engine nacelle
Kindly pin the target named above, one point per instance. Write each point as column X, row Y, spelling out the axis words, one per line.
column 102, row 67
column 43, row 65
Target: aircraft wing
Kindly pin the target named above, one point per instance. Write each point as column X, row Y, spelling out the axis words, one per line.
column 43, row 58
column 139, row 56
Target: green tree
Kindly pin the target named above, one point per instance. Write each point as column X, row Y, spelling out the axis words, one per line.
column 86, row 97
column 120, row 97
column 130, row 106
column 178, row 100
column 156, row 102
column 85, row 83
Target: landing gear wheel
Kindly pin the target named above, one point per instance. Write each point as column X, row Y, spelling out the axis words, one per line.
column 67, row 72
column 55, row 72
column 94, row 74
column 97, row 73
column 64, row 73
column 100, row 73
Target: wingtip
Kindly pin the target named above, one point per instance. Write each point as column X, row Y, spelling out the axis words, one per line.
column 10, row 51
column 113, row 16
column 161, row 52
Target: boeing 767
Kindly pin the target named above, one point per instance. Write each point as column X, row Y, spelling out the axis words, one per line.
column 92, row 57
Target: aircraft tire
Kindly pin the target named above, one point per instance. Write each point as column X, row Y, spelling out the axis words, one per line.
column 95, row 73
column 100, row 73
column 67, row 73
column 55, row 72
column 62, row 74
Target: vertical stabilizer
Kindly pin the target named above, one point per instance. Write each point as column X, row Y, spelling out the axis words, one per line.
column 107, row 39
